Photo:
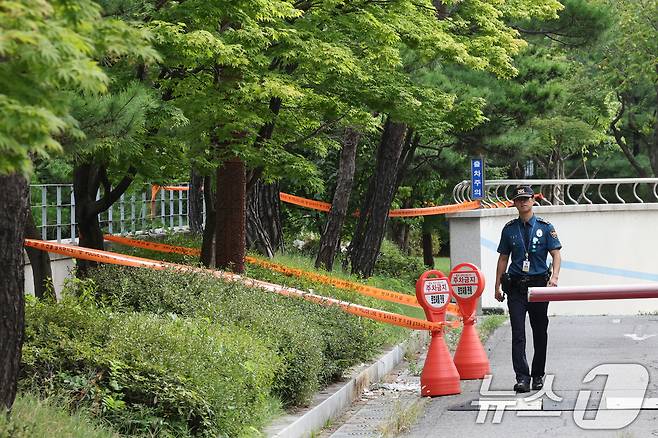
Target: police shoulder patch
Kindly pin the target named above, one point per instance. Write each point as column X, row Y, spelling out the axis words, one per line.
column 554, row 233
column 510, row 222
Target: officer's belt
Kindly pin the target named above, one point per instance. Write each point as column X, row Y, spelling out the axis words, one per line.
column 526, row 279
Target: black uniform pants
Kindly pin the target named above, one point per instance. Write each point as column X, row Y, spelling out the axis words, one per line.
column 518, row 305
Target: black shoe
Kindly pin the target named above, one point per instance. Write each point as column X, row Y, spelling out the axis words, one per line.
column 522, row 386
column 538, row 382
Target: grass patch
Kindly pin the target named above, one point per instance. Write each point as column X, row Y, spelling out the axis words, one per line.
column 403, row 417
column 488, row 324
column 34, row 417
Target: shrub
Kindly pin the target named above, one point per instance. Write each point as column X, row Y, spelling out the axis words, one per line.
column 146, row 373
column 393, row 263
column 216, row 378
column 286, row 325
column 347, row 340
column 316, row 343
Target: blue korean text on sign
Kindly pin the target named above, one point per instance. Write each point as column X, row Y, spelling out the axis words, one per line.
column 477, row 178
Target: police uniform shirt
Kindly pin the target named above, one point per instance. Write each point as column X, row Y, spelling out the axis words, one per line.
column 537, row 237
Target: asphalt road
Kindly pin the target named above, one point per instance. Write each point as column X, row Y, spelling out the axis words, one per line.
column 619, row 352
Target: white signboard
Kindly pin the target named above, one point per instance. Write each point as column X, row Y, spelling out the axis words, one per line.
column 464, row 283
column 437, row 292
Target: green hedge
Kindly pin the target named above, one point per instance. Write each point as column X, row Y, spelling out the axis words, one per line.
column 149, row 374
column 315, row 343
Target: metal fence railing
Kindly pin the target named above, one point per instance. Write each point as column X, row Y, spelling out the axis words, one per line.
column 567, row 191
column 53, row 209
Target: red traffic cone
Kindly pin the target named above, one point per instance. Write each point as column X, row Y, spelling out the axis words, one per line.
column 439, row 376
column 467, row 284
column 470, row 358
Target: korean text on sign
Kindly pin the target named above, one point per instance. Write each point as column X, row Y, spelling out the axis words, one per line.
column 434, row 286
column 467, row 278
column 477, row 178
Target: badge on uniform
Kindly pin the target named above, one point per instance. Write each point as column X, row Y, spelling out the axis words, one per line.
column 526, row 266
column 554, row 234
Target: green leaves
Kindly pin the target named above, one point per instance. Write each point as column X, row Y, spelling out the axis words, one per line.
column 48, row 50
column 225, row 63
column 25, row 129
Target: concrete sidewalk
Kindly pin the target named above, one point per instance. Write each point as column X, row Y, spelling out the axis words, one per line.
column 577, row 344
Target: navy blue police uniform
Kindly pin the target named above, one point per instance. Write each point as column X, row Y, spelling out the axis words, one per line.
column 528, row 245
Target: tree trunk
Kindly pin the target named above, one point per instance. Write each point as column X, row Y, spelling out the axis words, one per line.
column 14, row 201
column 400, row 234
column 374, row 214
column 231, row 214
column 263, row 219
column 42, row 274
column 208, row 244
column 264, row 231
column 428, row 250
column 87, row 180
column 406, row 157
column 330, row 238
column 195, row 196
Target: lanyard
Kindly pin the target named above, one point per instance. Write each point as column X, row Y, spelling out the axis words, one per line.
column 525, row 248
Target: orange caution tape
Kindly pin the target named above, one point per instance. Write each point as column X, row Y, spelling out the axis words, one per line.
column 383, row 294
column 156, row 188
column 428, row 211
column 154, row 191
column 303, row 202
column 453, row 309
column 94, row 255
column 125, row 260
column 404, row 212
column 375, row 292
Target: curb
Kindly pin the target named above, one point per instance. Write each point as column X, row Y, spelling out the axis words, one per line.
column 330, row 402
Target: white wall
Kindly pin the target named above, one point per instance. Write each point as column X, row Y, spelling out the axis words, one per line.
column 601, row 245
column 61, row 267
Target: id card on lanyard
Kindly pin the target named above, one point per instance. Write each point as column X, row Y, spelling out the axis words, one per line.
column 526, row 263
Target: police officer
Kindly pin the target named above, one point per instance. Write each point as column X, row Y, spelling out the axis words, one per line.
column 528, row 240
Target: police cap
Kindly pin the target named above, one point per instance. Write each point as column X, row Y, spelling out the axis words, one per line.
column 523, row 192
